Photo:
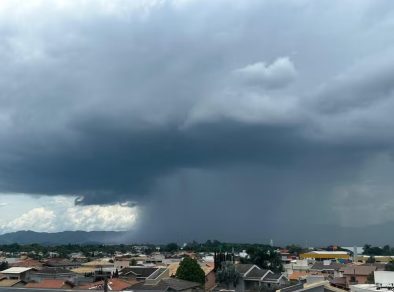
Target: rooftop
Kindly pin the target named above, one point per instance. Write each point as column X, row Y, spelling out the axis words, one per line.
column 47, row 284
column 16, row 270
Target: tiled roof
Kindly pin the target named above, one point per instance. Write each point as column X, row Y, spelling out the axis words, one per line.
column 83, row 270
column 206, row 266
column 161, row 286
column 52, row 270
column 16, row 270
column 61, row 263
column 256, row 273
column 338, row 281
column 165, row 284
column 243, row 268
column 27, row 263
column 156, row 273
column 179, row 285
column 8, row 283
column 320, row 266
column 272, row 277
column 114, row 284
column 98, row 263
column 47, row 284
column 297, row 275
column 138, row 271
column 359, row 270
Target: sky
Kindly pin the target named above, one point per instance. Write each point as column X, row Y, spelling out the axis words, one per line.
column 183, row 120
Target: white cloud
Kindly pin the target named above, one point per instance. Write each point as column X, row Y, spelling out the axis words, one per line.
column 60, row 214
column 277, row 75
column 113, row 217
column 249, row 97
column 38, row 219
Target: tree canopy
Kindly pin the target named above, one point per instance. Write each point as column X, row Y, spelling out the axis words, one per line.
column 190, row 270
column 228, row 275
column 265, row 257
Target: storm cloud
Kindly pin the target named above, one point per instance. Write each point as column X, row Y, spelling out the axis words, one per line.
column 241, row 120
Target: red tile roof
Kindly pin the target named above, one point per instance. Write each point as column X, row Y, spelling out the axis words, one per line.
column 115, row 284
column 28, row 263
column 47, row 284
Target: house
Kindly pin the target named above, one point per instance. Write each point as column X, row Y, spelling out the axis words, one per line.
column 114, row 284
column 378, row 259
column 4, row 282
column 321, row 286
column 49, row 284
column 17, row 273
column 384, row 281
column 51, row 273
column 332, row 269
column 206, row 266
column 121, row 263
column 157, row 276
column 254, row 278
column 320, row 255
column 297, row 266
column 357, row 274
column 27, row 263
column 297, row 276
column 137, row 272
column 62, row 263
column 168, row 284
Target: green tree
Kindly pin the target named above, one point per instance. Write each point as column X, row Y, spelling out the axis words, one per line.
column 371, row 279
column 171, row 247
column 265, row 257
column 227, row 274
column 294, row 249
column 3, row 266
column 371, row 260
column 133, row 262
column 389, row 266
column 190, row 270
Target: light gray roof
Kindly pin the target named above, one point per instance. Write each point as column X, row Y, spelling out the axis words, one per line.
column 320, row 266
column 272, row 277
column 256, row 273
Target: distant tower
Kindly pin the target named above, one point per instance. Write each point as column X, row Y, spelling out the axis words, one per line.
column 271, row 243
column 355, row 254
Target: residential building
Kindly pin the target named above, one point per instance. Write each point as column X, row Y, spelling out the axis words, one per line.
column 320, row 255
column 17, row 273
column 254, row 278
column 328, row 267
column 49, row 284
column 167, row 284
column 357, row 274
column 137, row 272
column 52, row 273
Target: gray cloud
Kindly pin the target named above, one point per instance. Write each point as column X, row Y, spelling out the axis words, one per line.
column 220, row 123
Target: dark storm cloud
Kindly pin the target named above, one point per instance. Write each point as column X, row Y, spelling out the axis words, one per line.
column 233, row 123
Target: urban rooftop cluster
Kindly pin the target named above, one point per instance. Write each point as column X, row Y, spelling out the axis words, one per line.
column 212, row 266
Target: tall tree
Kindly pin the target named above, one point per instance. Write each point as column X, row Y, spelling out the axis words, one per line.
column 389, row 266
column 171, row 247
column 265, row 257
column 3, row 266
column 228, row 275
column 190, row 270
column 371, row 278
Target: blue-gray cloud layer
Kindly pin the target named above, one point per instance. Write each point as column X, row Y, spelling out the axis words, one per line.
column 230, row 120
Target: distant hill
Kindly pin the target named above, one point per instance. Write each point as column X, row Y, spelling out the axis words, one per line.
column 65, row 237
